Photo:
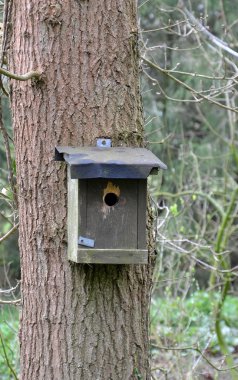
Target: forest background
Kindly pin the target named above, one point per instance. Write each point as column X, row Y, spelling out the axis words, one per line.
column 189, row 55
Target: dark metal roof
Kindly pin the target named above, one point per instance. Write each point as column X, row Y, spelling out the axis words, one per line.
column 120, row 162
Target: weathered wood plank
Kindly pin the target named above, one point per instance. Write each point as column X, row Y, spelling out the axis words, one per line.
column 112, row 256
column 72, row 220
column 141, row 213
column 82, row 202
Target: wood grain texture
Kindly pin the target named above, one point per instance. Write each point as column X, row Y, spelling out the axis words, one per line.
column 110, row 226
column 112, row 256
column 78, row 321
column 73, row 217
column 141, row 214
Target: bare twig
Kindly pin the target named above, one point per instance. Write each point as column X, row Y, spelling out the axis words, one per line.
column 10, row 291
column 164, row 27
column 161, row 141
column 12, row 302
column 215, row 40
column 187, row 87
column 12, row 230
column 197, row 349
column 7, row 291
column 23, row 77
column 202, row 194
column 6, row 358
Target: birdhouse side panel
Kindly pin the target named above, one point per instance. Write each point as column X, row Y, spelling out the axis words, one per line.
column 72, row 218
column 141, row 213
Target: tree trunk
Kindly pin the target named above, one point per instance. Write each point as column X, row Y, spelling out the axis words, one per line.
column 78, row 321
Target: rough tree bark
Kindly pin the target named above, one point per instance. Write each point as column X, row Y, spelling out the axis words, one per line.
column 78, row 321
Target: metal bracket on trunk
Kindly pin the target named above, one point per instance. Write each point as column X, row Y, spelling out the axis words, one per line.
column 104, row 143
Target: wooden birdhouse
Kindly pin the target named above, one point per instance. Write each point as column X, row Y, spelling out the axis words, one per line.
column 107, row 195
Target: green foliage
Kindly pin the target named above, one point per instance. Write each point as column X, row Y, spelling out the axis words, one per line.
column 9, row 324
column 190, row 322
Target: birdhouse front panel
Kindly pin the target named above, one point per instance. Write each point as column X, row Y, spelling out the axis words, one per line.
column 112, row 216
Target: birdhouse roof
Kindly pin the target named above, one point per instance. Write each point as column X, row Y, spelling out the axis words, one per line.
column 116, row 162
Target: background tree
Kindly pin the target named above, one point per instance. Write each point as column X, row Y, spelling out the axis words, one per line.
column 77, row 321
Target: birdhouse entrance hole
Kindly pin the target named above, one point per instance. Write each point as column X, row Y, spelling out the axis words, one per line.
column 111, row 199
column 111, row 194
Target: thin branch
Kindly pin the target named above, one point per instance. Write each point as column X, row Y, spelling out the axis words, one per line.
column 196, row 75
column 6, row 218
column 195, row 348
column 13, row 302
column 141, row 5
column 225, row 222
column 187, row 87
column 208, row 124
column 7, row 291
column 198, row 193
column 176, row 48
column 209, row 267
column 215, row 40
column 161, row 141
column 214, row 269
column 6, row 358
column 164, row 27
column 159, row 369
column 156, row 82
column 12, row 230
column 23, row 77
column 5, row 92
